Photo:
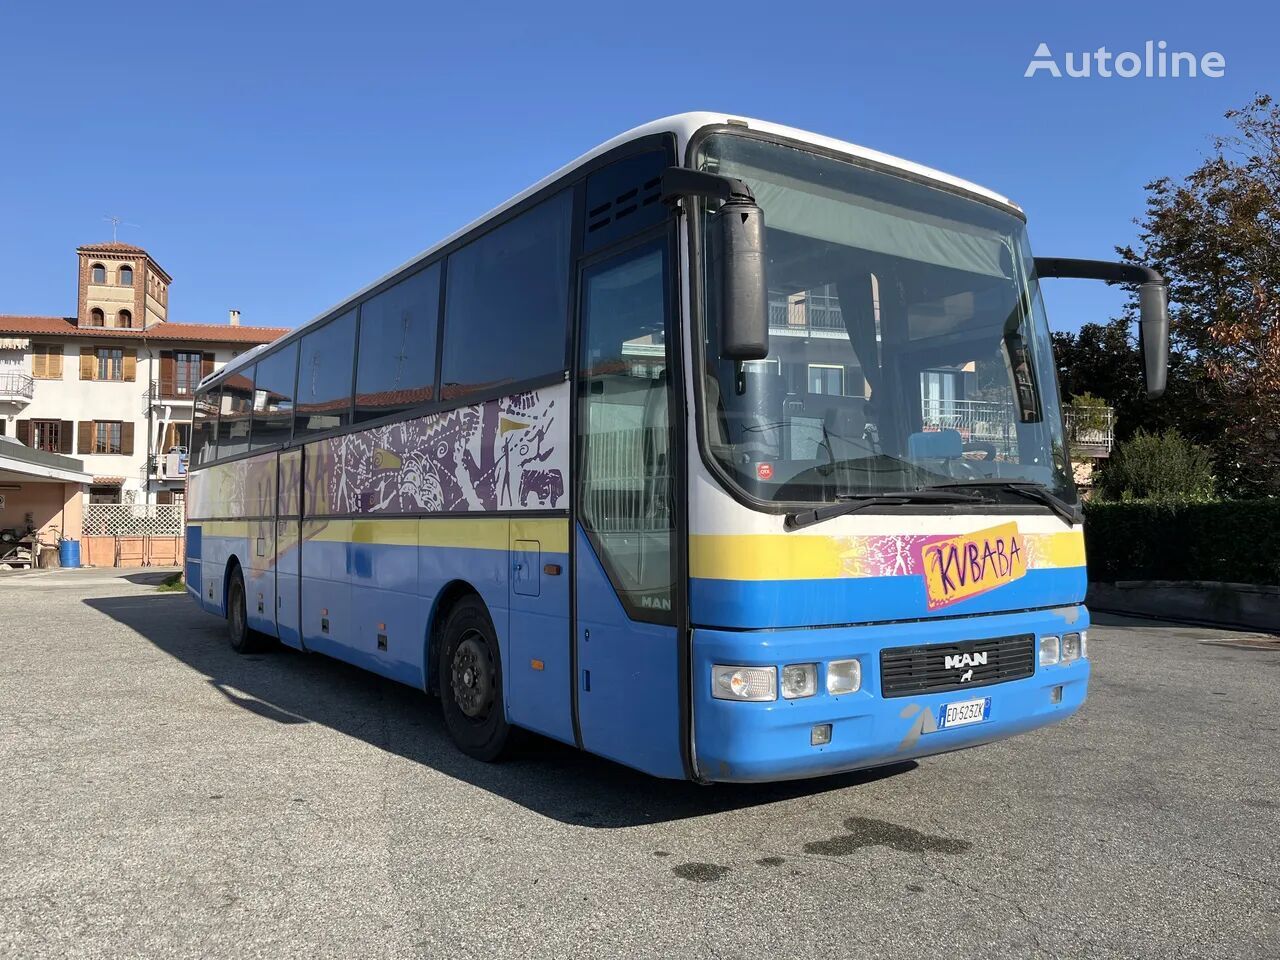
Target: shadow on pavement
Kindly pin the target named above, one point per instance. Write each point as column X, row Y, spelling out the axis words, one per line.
column 545, row 776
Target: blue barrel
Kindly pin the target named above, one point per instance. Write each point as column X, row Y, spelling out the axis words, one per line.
column 69, row 553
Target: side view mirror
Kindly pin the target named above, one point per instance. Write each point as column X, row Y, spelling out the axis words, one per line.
column 737, row 255
column 738, row 262
column 1153, row 335
column 1153, row 308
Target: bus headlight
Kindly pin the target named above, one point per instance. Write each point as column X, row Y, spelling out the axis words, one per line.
column 744, row 683
column 1072, row 647
column 844, row 676
column 799, row 680
column 1048, row 651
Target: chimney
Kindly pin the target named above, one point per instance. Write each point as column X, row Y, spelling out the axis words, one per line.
column 234, row 318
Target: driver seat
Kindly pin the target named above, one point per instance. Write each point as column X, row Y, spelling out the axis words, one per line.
column 935, row 445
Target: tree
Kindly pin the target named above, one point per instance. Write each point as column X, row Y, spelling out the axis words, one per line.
column 1216, row 238
column 1103, row 361
column 1157, row 466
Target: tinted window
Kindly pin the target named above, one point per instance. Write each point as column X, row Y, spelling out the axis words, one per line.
column 624, row 198
column 273, row 397
column 234, row 414
column 624, row 433
column 507, row 300
column 397, row 359
column 204, row 424
column 324, row 376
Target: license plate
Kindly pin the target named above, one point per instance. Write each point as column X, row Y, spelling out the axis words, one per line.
column 963, row 713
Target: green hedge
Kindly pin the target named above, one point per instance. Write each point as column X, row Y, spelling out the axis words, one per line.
column 1228, row 541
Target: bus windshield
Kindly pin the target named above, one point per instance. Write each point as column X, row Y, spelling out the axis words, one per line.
column 908, row 345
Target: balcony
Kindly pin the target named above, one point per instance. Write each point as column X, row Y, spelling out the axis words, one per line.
column 167, row 395
column 165, row 466
column 16, row 388
column 1091, row 432
column 810, row 315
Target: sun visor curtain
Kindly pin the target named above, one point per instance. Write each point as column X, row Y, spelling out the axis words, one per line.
column 802, row 208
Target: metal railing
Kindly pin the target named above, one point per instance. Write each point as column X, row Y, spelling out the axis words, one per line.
column 813, row 312
column 16, row 386
column 977, row 421
column 986, row 421
column 171, row 393
column 1091, row 430
column 164, row 466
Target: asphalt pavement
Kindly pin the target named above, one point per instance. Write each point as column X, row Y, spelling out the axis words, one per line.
column 162, row 796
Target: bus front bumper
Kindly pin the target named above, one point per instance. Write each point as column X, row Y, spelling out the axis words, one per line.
column 742, row 741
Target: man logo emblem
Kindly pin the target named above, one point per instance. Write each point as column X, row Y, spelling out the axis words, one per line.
column 967, row 675
column 954, row 661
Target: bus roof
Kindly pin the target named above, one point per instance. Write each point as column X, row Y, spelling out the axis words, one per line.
column 683, row 126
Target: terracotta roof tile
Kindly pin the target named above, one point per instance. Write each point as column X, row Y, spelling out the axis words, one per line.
column 115, row 246
column 205, row 332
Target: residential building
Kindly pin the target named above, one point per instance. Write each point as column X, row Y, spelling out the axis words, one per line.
column 113, row 385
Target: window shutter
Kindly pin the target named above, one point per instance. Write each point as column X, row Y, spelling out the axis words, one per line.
column 126, row 438
column 88, row 364
column 168, row 374
column 206, row 365
column 53, row 361
column 84, row 436
column 39, row 363
column 130, row 363
column 64, row 436
column 24, row 432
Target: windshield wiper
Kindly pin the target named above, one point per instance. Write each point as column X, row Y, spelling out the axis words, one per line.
column 846, row 504
column 1038, row 492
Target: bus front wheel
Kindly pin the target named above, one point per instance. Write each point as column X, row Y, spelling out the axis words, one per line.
column 470, row 682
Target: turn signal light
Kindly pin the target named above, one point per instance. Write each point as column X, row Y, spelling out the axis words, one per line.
column 744, row 683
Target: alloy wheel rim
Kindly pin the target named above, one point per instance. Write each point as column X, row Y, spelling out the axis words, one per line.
column 472, row 676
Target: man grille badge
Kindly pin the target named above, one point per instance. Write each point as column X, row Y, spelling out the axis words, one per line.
column 967, row 675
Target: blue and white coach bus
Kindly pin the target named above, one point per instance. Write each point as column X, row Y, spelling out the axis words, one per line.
column 728, row 451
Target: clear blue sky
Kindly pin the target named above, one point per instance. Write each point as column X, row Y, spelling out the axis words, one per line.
column 277, row 160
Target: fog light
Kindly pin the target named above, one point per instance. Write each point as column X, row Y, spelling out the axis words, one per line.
column 1048, row 651
column 820, row 735
column 843, row 676
column 1071, row 647
column 744, row 683
column 1055, row 694
column 799, row 680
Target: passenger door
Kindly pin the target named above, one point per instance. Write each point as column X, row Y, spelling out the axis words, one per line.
column 288, row 547
column 626, row 647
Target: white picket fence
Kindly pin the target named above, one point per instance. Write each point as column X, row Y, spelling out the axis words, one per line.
column 132, row 520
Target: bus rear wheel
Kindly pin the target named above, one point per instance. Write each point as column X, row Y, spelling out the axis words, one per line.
column 469, row 673
column 243, row 639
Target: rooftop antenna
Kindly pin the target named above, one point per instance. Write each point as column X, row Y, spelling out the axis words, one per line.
column 116, row 224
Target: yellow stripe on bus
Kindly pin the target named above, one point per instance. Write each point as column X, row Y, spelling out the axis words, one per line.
column 476, row 533
column 552, row 533
column 224, row 528
column 805, row 557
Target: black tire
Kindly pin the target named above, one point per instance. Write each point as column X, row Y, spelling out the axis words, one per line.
column 243, row 639
column 469, row 676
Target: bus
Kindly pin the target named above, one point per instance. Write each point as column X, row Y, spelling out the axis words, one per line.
column 729, row 452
